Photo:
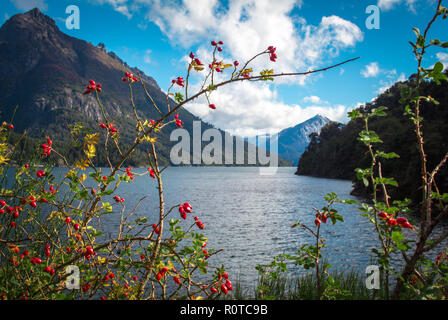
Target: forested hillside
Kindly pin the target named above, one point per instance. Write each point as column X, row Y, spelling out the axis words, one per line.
column 336, row 152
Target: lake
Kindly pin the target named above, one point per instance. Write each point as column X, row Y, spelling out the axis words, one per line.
column 250, row 215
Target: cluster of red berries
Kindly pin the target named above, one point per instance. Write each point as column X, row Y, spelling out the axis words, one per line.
column 320, row 217
column 195, row 60
column 176, row 280
column 49, row 270
column 161, row 273
column 217, row 45
column 179, row 81
column 184, row 209
column 272, row 54
column 109, row 276
column 47, row 250
column 92, row 86
column 130, row 174
column 14, row 211
column 391, row 221
column 156, row 229
column 118, row 199
column 85, row 287
column 40, row 173
column 199, row 223
column 112, row 128
column 46, row 148
column 32, row 201
column 8, row 125
column 179, row 122
column 152, row 173
column 36, row 260
column 88, row 252
column 129, row 77
column 224, row 283
column 215, row 66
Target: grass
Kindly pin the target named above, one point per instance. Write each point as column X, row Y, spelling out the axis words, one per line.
column 350, row 286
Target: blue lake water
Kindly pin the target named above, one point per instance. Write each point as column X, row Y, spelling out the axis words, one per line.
column 250, row 215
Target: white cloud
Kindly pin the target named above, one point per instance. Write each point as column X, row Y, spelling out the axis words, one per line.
column 121, row 6
column 443, row 57
column 147, row 56
column 6, row 16
column 371, row 70
column 30, row 4
column 387, row 84
column 249, row 109
column 390, row 4
column 313, row 99
column 248, row 27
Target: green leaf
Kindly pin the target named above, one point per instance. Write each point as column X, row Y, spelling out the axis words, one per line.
column 354, row 114
column 384, row 155
column 106, row 206
column 365, row 181
column 438, row 67
column 416, row 31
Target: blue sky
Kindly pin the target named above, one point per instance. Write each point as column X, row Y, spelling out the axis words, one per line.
column 157, row 36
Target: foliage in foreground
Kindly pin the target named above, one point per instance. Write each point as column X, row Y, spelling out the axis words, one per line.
column 421, row 277
column 52, row 244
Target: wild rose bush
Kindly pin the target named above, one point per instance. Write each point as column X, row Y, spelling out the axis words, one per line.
column 50, row 232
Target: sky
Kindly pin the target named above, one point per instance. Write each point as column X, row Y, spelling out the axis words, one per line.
column 158, row 35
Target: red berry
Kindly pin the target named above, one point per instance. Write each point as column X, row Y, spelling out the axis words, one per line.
column 213, row 43
column 224, row 289
column 212, row 106
column 200, row 224
column 317, row 222
column 392, row 222
column 76, row 226
column 177, row 280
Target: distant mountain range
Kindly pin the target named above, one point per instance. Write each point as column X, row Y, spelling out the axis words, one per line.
column 293, row 141
column 44, row 72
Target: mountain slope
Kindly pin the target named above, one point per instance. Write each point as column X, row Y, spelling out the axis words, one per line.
column 293, row 141
column 44, row 72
